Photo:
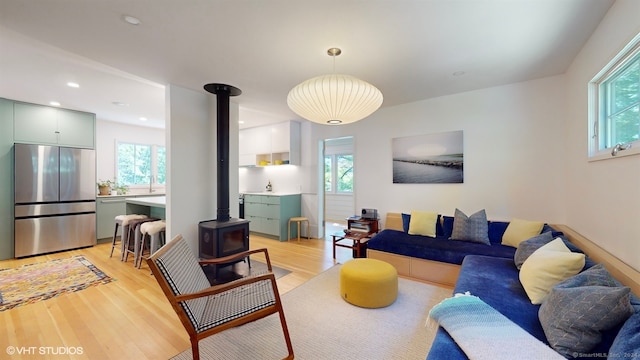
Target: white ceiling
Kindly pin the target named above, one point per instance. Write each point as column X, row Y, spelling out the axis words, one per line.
column 409, row 49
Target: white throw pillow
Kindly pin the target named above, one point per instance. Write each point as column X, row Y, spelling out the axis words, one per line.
column 547, row 266
column 423, row 223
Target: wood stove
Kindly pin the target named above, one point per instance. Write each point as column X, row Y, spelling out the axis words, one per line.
column 223, row 236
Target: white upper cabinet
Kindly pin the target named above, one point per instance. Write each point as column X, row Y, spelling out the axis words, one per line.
column 254, row 141
column 276, row 144
column 39, row 124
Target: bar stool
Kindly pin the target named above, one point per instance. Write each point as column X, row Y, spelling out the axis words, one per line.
column 134, row 236
column 155, row 231
column 123, row 221
column 297, row 219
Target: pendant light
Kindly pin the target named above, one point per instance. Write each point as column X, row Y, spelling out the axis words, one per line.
column 334, row 99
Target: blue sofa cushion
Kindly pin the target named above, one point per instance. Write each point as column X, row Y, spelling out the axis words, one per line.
column 496, row 230
column 437, row 249
column 495, row 281
column 447, row 226
column 473, row 228
column 627, row 343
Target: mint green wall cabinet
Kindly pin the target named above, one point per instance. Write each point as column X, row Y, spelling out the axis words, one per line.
column 269, row 214
column 40, row 124
column 6, row 179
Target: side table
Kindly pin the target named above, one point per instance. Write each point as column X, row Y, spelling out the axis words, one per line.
column 351, row 240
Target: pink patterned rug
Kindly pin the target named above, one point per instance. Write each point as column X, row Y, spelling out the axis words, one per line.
column 40, row 281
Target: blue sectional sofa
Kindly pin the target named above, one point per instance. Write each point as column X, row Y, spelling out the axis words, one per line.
column 489, row 272
column 431, row 258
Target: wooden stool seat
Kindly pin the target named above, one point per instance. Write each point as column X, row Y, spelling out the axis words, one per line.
column 297, row 219
column 123, row 221
column 134, row 238
column 155, row 231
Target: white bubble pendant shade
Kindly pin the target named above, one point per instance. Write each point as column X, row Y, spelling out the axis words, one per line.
column 334, row 99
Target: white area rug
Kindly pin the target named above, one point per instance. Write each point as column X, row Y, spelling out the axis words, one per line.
column 324, row 326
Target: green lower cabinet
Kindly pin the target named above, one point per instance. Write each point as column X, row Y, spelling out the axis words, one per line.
column 270, row 214
column 106, row 211
column 108, row 207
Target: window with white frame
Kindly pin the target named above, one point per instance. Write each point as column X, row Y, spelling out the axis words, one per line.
column 140, row 164
column 338, row 173
column 615, row 104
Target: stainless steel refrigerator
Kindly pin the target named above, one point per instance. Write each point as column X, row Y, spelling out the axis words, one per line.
column 55, row 198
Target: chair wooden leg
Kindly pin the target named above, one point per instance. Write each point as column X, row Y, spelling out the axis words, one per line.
column 287, row 338
column 194, row 348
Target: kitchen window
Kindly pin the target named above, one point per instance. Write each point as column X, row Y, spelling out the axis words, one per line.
column 338, row 173
column 140, row 164
column 615, row 106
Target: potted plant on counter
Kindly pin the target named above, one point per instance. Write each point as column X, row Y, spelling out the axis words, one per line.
column 104, row 187
column 121, row 188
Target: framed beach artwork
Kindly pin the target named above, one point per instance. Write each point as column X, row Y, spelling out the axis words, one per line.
column 428, row 159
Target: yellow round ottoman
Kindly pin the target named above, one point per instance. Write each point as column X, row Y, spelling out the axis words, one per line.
column 368, row 283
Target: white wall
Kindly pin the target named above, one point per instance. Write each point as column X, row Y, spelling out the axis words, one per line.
column 513, row 152
column 108, row 133
column 190, row 174
column 603, row 197
column 191, row 161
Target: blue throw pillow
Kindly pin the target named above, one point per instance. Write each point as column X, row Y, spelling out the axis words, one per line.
column 579, row 309
column 473, row 228
column 527, row 247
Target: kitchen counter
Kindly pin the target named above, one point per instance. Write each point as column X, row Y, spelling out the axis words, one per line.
column 156, row 201
column 272, row 193
column 152, row 206
column 130, row 195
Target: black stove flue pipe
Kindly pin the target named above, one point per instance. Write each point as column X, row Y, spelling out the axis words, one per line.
column 223, row 92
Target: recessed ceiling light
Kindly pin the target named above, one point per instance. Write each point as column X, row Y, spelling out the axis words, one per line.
column 54, row 103
column 458, row 73
column 143, row 119
column 131, row 20
column 240, row 122
column 119, row 103
column 73, row 84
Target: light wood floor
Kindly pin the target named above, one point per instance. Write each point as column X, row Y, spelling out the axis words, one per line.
column 129, row 318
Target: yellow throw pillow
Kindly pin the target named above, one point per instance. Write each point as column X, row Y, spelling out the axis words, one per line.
column 423, row 223
column 546, row 267
column 520, row 230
